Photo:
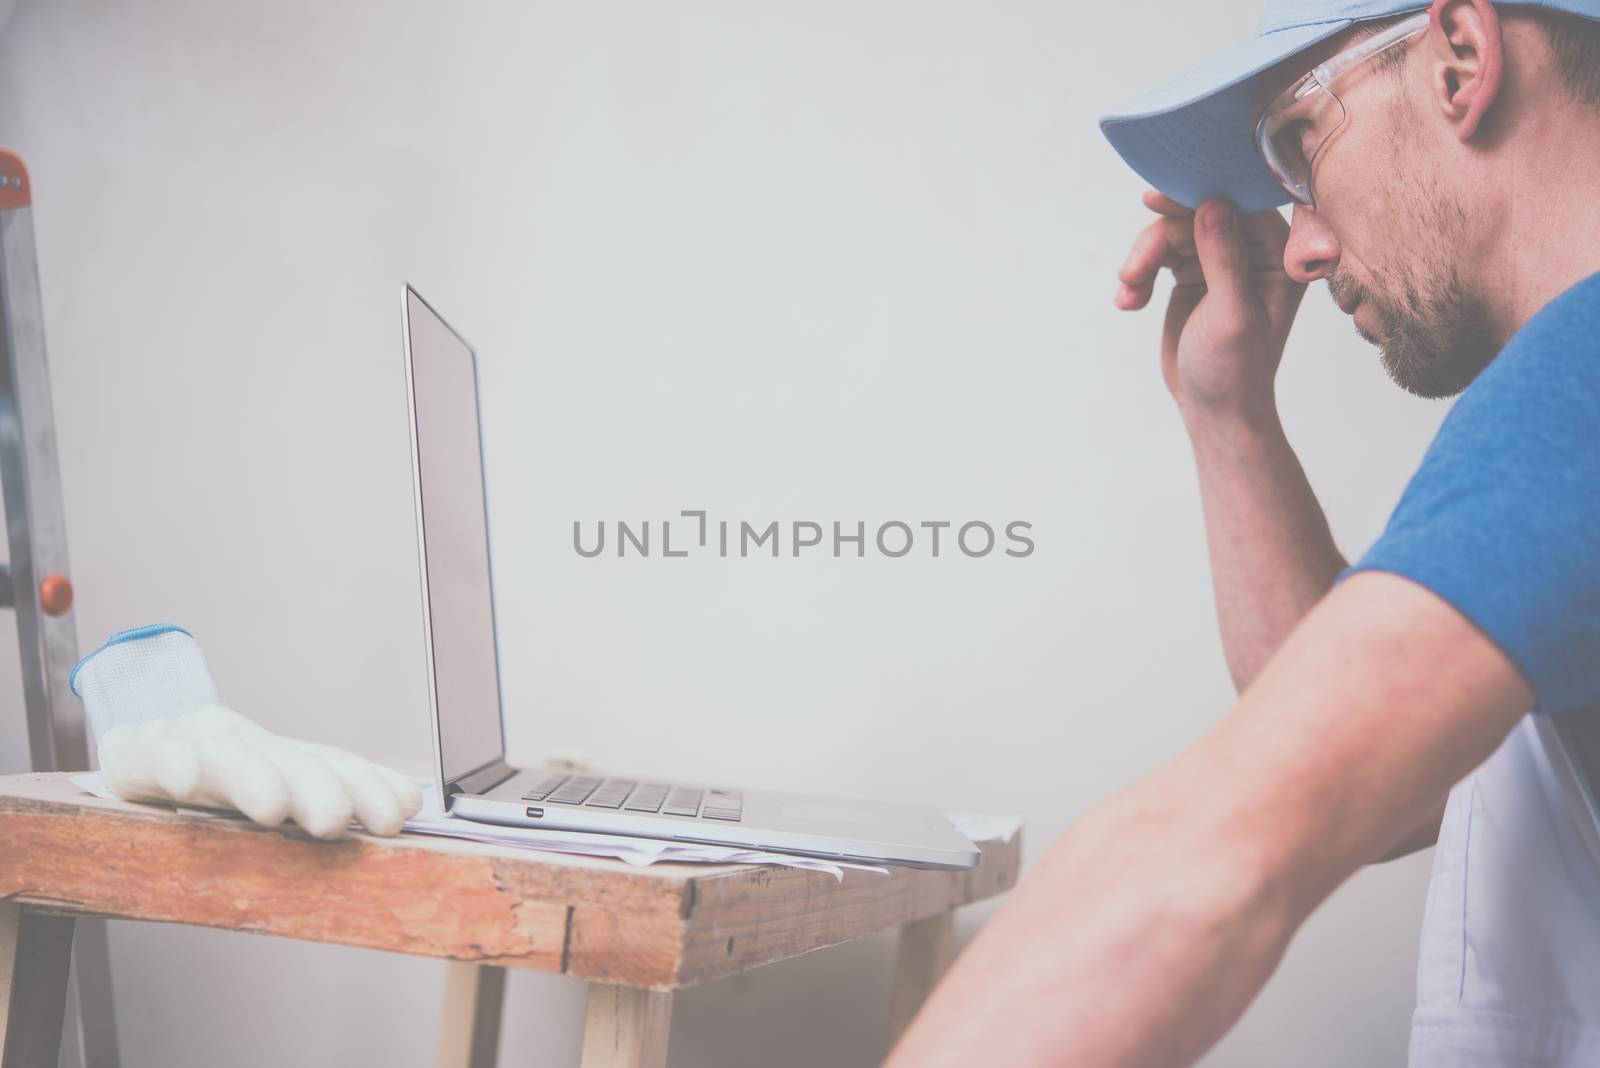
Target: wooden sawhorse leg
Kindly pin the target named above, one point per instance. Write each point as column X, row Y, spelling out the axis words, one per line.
column 923, row 955
column 626, row 1027
column 35, row 955
column 469, row 1035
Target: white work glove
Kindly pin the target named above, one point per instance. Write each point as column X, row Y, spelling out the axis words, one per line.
column 216, row 758
column 163, row 735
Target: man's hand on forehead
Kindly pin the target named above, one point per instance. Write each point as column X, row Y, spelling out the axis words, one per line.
column 1170, row 242
column 1230, row 309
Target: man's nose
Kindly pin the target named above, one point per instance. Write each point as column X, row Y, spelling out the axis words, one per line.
column 1312, row 252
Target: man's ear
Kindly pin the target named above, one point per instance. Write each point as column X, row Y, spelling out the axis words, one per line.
column 1467, row 62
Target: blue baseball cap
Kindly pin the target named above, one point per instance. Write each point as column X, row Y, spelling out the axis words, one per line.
column 1191, row 138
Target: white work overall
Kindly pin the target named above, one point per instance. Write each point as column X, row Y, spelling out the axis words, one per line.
column 1509, row 973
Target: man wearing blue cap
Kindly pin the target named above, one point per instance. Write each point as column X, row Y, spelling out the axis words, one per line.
column 1441, row 161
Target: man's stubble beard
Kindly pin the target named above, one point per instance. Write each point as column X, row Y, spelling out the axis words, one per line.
column 1433, row 332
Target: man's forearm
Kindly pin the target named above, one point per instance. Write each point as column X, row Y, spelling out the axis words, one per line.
column 1147, row 928
column 1272, row 555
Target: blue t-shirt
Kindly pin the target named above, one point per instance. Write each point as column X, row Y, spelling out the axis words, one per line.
column 1502, row 520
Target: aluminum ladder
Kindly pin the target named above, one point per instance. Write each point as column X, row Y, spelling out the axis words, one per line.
column 36, row 586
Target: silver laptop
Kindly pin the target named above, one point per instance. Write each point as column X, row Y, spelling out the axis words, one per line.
column 473, row 778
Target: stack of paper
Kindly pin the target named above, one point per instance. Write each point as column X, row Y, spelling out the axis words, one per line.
column 637, row 851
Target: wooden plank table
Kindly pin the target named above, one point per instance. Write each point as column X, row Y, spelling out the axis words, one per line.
column 634, row 934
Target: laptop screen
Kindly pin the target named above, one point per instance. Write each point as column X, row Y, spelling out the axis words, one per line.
column 447, row 461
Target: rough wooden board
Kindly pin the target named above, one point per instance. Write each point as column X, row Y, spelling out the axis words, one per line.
column 768, row 914
column 660, row 927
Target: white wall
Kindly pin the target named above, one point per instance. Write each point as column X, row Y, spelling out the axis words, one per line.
column 797, row 260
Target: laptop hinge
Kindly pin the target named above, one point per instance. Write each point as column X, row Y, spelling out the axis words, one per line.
column 481, row 781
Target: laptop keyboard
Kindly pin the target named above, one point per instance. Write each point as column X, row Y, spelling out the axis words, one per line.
column 630, row 795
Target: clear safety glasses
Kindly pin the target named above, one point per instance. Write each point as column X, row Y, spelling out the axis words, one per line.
column 1300, row 121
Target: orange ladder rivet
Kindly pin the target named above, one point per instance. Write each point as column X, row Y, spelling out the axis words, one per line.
column 55, row 595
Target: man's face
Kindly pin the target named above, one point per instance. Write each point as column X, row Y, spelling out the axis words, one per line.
column 1389, row 229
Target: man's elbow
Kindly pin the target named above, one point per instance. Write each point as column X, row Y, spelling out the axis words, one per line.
column 1423, row 836
column 1220, row 882
column 1202, row 914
